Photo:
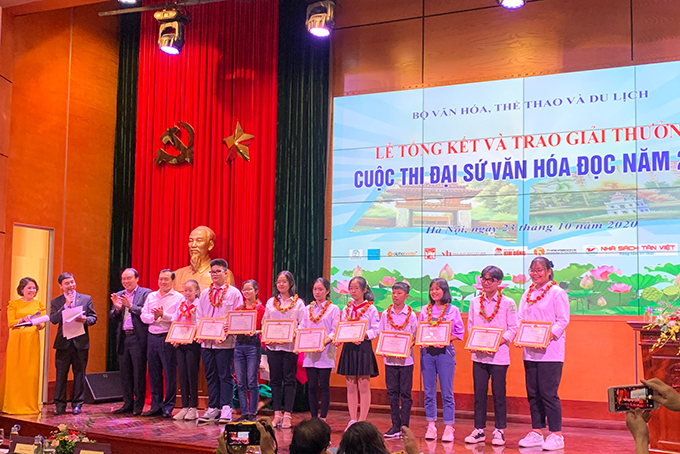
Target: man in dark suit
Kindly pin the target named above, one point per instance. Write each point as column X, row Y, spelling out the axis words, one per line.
column 131, row 334
column 71, row 352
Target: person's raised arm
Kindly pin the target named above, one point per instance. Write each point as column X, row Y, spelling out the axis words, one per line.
column 636, row 421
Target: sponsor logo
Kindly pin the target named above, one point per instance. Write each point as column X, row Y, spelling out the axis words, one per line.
column 510, row 251
column 402, row 254
column 539, row 251
column 356, row 254
column 373, row 254
column 629, row 249
column 430, row 253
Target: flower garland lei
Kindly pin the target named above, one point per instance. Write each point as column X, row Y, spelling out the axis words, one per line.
column 318, row 318
column 186, row 310
column 441, row 315
column 213, row 295
column 243, row 306
column 359, row 314
column 390, row 320
column 277, row 304
column 531, row 301
column 482, row 312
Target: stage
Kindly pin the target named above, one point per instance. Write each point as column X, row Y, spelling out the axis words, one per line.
column 138, row 435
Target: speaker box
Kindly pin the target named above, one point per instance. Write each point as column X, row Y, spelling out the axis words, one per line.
column 103, row 387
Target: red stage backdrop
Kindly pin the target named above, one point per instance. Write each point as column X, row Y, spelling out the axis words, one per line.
column 225, row 73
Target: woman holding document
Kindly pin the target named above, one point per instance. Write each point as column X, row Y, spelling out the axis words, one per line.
column 20, row 385
column 545, row 301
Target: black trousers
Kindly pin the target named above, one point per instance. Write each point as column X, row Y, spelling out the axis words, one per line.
column 481, row 373
column 542, row 381
column 282, row 369
column 188, row 363
column 64, row 359
column 162, row 362
column 399, row 382
column 318, row 378
column 133, row 372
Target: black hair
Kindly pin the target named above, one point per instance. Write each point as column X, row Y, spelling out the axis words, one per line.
column 134, row 271
column 368, row 293
column 547, row 263
column 194, row 283
column 310, row 436
column 219, row 262
column 292, row 290
column 63, row 276
column 403, row 286
column 255, row 285
column 168, row 270
column 494, row 272
column 442, row 284
column 327, row 285
column 362, row 438
column 24, row 282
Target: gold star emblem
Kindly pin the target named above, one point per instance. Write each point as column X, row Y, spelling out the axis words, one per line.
column 238, row 144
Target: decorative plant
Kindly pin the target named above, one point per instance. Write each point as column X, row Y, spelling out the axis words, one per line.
column 64, row 439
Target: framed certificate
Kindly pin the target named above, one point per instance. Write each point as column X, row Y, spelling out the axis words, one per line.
column 394, row 343
column 280, row 331
column 484, row 339
column 351, row 331
column 211, row 329
column 433, row 335
column 533, row 334
column 181, row 333
column 242, row 322
column 310, row 339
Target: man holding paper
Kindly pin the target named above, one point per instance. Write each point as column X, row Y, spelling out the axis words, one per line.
column 73, row 312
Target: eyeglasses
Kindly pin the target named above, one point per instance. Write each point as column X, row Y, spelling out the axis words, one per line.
column 281, row 282
column 537, row 270
column 487, row 280
column 216, row 271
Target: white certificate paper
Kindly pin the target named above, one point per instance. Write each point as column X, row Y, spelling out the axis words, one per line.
column 70, row 327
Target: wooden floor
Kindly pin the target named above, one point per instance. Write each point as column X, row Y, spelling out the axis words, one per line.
column 131, row 435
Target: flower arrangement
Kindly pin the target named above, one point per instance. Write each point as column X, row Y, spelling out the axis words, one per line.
column 64, row 439
column 669, row 324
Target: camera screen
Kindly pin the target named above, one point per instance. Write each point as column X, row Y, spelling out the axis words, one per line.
column 240, row 438
column 631, row 398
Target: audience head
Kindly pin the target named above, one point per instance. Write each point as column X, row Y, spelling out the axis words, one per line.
column 311, row 436
column 29, row 292
column 362, row 438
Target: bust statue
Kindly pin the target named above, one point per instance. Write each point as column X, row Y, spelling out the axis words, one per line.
column 201, row 242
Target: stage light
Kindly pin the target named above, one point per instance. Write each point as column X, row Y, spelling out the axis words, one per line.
column 321, row 18
column 171, row 30
column 511, row 4
column 127, row 2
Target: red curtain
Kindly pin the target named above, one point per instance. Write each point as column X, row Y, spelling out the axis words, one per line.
column 225, row 73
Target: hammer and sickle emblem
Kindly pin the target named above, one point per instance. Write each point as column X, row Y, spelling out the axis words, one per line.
column 186, row 152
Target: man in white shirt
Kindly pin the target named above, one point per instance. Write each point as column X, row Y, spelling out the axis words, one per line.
column 157, row 313
column 218, row 357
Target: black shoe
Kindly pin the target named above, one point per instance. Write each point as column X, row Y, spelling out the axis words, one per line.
column 122, row 411
column 252, row 418
column 158, row 412
column 59, row 411
column 167, row 414
column 76, row 410
column 394, row 432
column 137, row 412
column 243, row 418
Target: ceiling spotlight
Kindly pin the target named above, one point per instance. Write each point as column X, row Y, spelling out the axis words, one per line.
column 171, row 30
column 511, row 4
column 127, row 2
column 321, row 18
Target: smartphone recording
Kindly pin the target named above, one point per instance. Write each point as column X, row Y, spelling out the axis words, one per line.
column 625, row 398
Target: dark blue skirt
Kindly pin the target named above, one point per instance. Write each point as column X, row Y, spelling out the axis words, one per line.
column 358, row 360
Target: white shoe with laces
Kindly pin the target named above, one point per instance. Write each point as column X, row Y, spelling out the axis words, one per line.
column 182, row 413
column 431, row 433
column 192, row 414
column 477, row 436
column 211, row 414
column 448, row 434
column 532, row 440
column 498, row 438
column 553, row 442
column 225, row 414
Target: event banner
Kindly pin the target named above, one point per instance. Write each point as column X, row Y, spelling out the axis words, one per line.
column 581, row 168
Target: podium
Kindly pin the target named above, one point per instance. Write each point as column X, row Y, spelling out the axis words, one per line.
column 663, row 363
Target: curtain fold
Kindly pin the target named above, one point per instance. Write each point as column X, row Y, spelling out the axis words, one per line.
column 225, row 73
column 123, row 164
column 302, row 148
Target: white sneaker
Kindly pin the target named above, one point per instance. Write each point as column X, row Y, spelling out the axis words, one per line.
column 182, row 413
column 431, row 433
column 498, row 438
column 553, row 442
column 191, row 414
column 211, row 414
column 448, row 434
column 477, row 436
column 532, row 439
column 225, row 414
column 350, row 424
